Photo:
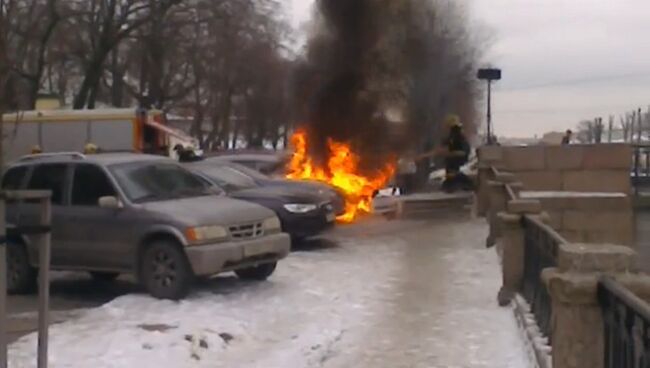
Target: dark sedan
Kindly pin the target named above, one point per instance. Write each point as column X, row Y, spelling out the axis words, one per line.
column 302, row 213
column 262, row 180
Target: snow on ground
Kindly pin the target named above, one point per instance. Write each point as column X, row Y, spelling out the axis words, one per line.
column 417, row 296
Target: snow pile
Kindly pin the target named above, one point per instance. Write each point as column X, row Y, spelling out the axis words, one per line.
column 563, row 194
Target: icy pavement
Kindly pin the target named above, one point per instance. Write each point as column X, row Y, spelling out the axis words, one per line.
column 389, row 295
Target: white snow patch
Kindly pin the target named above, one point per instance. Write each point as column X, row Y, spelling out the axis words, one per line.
column 293, row 320
column 561, row 194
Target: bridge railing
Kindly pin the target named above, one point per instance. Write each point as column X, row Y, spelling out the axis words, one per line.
column 541, row 245
column 626, row 320
column 641, row 160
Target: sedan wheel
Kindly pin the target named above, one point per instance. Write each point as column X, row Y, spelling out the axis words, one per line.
column 165, row 271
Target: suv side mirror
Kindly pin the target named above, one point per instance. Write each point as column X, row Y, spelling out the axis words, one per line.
column 110, row 202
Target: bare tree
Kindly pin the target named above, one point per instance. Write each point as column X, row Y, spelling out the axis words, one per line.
column 106, row 23
column 33, row 29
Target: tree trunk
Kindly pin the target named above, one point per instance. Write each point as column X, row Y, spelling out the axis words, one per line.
column 117, row 87
column 88, row 91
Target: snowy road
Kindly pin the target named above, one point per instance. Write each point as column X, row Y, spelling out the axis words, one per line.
column 388, row 295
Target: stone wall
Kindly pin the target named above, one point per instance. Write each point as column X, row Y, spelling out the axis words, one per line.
column 589, row 217
column 585, row 189
column 575, row 168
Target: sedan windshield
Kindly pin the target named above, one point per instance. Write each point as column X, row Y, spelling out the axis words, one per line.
column 242, row 169
column 253, row 174
column 227, row 177
column 155, row 181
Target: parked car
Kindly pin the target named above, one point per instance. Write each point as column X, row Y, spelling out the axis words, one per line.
column 302, row 213
column 266, row 163
column 337, row 198
column 139, row 214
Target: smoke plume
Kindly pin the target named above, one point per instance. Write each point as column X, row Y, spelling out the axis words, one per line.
column 380, row 75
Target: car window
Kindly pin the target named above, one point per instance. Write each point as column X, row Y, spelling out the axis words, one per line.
column 49, row 177
column 154, row 181
column 14, row 177
column 89, row 184
column 253, row 174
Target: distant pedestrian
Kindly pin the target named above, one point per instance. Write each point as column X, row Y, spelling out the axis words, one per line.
column 36, row 150
column 567, row 137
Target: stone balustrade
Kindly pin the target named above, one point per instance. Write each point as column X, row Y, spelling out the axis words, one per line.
column 580, row 222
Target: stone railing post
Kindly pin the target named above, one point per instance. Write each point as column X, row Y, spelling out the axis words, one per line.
column 577, row 324
column 511, row 246
column 498, row 200
column 485, row 175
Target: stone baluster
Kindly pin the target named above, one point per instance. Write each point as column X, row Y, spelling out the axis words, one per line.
column 511, row 246
column 577, row 321
column 498, row 200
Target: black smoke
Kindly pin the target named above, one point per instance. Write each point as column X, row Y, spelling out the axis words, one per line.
column 365, row 57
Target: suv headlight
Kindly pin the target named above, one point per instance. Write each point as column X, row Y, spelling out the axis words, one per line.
column 201, row 234
column 300, row 208
column 272, row 224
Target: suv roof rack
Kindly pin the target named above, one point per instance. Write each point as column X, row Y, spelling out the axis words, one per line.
column 37, row 156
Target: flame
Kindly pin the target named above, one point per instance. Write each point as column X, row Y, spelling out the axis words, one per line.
column 342, row 172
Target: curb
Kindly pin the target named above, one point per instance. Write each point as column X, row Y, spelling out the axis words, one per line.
column 537, row 344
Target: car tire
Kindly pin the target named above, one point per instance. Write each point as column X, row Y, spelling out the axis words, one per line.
column 21, row 276
column 258, row 273
column 165, row 271
column 104, row 277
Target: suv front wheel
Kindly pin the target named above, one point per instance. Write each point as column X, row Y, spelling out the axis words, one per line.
column 165, row 271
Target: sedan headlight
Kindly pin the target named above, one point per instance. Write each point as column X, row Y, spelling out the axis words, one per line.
column 272, row 224
column 202, row 234
column 300, row 208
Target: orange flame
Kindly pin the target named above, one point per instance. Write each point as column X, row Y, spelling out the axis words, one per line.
column 341, row 172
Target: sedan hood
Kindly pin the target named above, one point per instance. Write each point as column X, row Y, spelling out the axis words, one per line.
column 210, row 210
column 284, row 194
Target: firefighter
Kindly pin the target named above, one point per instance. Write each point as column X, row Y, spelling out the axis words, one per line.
column 186, row 154
column 90, row 149
column 456, row 150
column 36, row 149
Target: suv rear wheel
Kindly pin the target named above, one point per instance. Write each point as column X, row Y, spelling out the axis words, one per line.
column 165, row 271
column 21, row 276
column 260, row 273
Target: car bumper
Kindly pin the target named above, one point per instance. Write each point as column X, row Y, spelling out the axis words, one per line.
column 303, row 226
column 207, row 260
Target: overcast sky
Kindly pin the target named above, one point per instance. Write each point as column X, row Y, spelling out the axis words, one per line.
column 562, row 60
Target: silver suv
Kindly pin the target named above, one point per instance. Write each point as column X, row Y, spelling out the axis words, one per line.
column 146, row 215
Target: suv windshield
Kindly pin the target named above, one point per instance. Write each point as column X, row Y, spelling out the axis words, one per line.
column 155, row 181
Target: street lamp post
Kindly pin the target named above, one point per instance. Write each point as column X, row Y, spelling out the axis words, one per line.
column 489, row 75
